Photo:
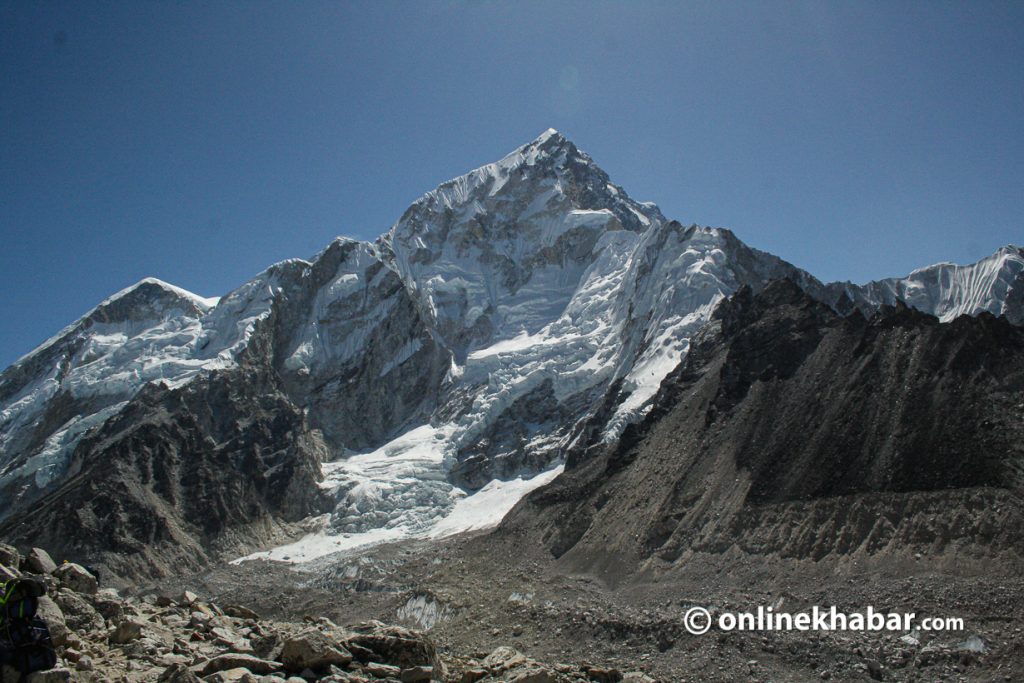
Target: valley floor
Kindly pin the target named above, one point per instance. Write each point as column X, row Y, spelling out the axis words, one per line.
column 473, row 594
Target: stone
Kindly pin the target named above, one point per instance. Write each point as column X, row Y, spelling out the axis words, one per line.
column 396, row 646
column 187, row 598
column 361, row 653
column 126, row 631
column 38, row 561
column 50, row 613
column 230, row 639
column 504, row 658
column 382, row 670
column 234, row 660
column 312, row 649
column 10, row 556
column 77, row 578
column 240, row 612
column 200, row 620
column 418, row 674
column 602, row 675
column 237, row 675
column 85, row 663
column 133, row 628
column 473, row 675
column 178, row 673
column 79, row 615
column 58, row 675
column 532, row 673
column 636, row 677
column 109, row 607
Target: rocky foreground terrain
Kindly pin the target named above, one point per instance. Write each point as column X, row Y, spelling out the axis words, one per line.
column 472, row 594
column 102, row 636
column 458, row 617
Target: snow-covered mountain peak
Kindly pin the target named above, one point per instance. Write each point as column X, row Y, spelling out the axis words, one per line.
column 549, row 145
column 152, row 294
column 549, row 134
column 548, row 167
column 510, row 315
column 500, row 251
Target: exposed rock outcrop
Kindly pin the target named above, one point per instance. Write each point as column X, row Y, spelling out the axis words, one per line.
column 791, row 431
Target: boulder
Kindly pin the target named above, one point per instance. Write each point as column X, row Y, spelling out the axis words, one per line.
column 418, row 674
column 10, row 556
column 238, row 675
column 532, row 673
column 38, row 561
column 235, row 660
column 600, row 674
column 514, row 667
column 230, row 639
column 79, row 615
column 178, row 673
column 397, row 646
column 240, row 612
column 503, row 659
column 130, row 629
column 50, row 613
column 77, row 578
column 126, row 631
column 108, row 606
column 312, row 649
column 382, row 670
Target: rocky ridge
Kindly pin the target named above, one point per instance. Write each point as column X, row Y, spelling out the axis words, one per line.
column 793, row 432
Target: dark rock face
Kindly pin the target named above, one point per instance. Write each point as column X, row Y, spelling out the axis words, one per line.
column 790, row 430
column 503, row 450
column 376, row 367
column 180, row 474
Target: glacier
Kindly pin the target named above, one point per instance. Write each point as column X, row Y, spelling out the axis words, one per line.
column 448, row 366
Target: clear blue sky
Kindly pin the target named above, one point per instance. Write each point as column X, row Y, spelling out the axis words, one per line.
column 201, row 142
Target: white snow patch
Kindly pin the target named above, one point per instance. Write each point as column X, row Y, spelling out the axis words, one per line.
column 488, row 506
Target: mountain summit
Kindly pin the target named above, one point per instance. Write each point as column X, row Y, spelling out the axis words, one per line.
column 509, row 315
